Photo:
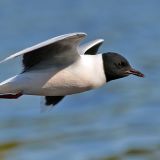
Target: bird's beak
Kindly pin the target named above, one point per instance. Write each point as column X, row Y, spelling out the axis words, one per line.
column 135, row 72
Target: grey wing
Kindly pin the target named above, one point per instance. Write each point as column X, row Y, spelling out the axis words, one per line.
column 57, row 50
column 92, row 47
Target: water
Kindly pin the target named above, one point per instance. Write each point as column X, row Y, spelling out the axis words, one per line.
column 119, row 121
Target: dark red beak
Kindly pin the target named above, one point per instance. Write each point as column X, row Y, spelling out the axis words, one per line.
column 135, row 72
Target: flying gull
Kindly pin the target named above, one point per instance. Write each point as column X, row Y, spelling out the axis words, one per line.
column 61, row 66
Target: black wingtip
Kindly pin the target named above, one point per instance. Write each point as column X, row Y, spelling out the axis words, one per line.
column 53, row 100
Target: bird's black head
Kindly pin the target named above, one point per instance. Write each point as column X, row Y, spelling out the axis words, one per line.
column 116, row 66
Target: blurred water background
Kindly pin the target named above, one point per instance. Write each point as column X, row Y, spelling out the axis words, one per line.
column 120, row 121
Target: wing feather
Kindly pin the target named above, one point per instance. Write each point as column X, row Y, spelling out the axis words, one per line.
column 50, row 49
column 92, row 47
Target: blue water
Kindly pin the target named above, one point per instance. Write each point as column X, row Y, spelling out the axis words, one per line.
column 120, row 121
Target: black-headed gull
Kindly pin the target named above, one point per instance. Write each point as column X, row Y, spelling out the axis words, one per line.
column 61, row 66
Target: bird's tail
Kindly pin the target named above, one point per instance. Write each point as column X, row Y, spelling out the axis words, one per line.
column 7, row 90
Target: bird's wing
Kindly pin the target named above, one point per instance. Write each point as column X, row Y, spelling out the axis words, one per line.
column 64, row 46
column 53, row 100
column 91, row 48
column 50, row 101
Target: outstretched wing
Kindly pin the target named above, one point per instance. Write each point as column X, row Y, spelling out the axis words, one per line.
column 57, row 50
column 92, row 47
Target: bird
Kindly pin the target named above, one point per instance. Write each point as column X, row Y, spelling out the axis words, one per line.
column 63, row 66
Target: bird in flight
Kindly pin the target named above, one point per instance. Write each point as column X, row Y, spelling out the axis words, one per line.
column 61, row 66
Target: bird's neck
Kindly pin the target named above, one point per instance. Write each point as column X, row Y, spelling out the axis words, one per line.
column 93, row 66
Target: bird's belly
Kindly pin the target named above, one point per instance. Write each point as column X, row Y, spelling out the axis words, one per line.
column 64, row 84
column 61, row 83
column 59, row 90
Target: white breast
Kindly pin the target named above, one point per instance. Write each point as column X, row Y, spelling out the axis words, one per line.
column 81, row 76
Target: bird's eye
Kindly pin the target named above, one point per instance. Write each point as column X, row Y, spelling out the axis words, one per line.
column 121, row 64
